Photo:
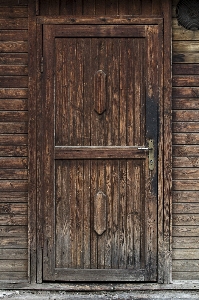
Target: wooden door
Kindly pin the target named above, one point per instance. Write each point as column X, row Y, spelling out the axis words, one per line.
column 101, row 89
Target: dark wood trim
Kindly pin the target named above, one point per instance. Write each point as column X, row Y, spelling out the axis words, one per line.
column 91, row 31
column 167, row 150
column 32, row 212
column 39, row 145
column 99, row 152
column 155, row 20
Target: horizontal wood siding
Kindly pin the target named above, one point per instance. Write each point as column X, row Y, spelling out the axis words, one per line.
column 185, row 152
column 13, row 139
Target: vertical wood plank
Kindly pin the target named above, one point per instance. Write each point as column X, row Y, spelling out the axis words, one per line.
column 112, row 7
column 123, row 7
column 77, row 7
column 64, row 107
column 62, row 225
column 123, row 93
column 130, row 214
column 79, row 94
column 79, row 214
column 48, row 148
column 100, row 7
column 130, row 139
column 152, row 98
column 115, row 216
column 73, row 214
column 94, row 188
column 66, row 7
column 114, row 93
column 71, row 59
column 146, row 8
column 88, row 7
column 108, row 244
column 44, row 7
column 137, row 214
column 88, row 85
column 101, row 239
column 39, row 155
column 156, row 7
column 87, row 214
column 166, row 5
column 122, row 215
column 109, row 115
column 60, row 106
column 32, row 142
column 135, row 7
column 54, row 7
column 137, row 93
column 58, row 212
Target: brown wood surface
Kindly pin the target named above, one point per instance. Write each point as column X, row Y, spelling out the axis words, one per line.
column 14, row 59
column 13, row 12
column 185, row 196
column 14, row 35
column 91, row 7
column 185, row 127
column 185, row 151
column 185, row 69
column 116, row 247
column 185, row 103
column 186, row 231
column 14, row 197
column 13, row 140
column 55, row 8
column 13, row 127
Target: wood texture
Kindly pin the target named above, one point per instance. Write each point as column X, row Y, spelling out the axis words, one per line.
column 101, row 8
column 13, row 140
column 117, row 247
column 76, row 8
column 185, row 152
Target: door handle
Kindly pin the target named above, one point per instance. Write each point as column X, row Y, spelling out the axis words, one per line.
column 151, row 153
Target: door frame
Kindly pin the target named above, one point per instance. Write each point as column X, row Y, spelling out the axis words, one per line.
column 35, row 139
column 150, row 57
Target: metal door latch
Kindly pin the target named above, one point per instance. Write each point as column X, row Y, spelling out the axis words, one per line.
column 151, row 153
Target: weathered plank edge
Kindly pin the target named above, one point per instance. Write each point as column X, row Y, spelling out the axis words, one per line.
column 167, row 151
column 32, row 142
column 148, row 20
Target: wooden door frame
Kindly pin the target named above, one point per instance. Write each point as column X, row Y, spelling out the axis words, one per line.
column 35, row 140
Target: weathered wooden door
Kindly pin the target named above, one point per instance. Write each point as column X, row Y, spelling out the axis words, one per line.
column 101, row 89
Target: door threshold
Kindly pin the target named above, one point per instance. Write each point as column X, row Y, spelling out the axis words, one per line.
column 93, row 287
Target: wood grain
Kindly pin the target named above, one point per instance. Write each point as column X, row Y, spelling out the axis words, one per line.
column 13, row 12
column 188, row 196
column 109, row 154
column 185, row 152
column 185, row 103
column 13, row 140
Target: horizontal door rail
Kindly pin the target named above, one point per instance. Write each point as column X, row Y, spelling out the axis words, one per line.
column 99, row 152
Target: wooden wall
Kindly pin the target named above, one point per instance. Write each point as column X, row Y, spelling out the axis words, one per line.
column 185, row 152
column 13, row 133
column 13, row 139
